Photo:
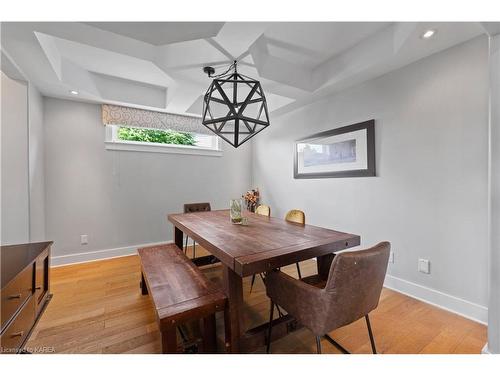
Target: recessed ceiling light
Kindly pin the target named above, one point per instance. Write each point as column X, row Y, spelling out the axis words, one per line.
column 73, row 92
column 428, row 34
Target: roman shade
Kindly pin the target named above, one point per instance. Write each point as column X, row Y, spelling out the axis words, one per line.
column 141, row 118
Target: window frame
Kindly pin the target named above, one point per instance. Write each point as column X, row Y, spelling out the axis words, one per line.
column 113, row 143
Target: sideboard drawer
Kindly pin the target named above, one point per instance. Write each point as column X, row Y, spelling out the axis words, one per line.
column 15, row 293
column 19, row 328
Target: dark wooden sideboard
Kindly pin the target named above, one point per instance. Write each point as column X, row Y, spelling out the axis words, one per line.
column 25, row 291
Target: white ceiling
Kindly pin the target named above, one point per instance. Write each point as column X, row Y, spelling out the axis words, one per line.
column 159, row 33
column 311, row 43
column 158, row 65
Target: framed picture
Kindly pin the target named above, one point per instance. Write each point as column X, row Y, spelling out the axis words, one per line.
column 348, row 151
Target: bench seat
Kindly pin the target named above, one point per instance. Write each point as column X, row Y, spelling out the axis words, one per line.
column 180, row 293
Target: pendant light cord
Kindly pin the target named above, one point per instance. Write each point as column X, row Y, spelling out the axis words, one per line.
column 232, row 66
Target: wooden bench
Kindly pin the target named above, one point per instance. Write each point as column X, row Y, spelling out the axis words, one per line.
column 180, row 293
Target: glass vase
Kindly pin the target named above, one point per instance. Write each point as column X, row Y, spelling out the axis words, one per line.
column 235, row 213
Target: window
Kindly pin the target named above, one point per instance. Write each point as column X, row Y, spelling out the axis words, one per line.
column 163, row 141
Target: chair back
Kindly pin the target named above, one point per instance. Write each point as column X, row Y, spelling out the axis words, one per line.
column 355, row 282
column 263, row 210
column 196, row 207
column 296, row 216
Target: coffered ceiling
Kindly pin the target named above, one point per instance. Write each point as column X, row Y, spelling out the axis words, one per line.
column 158, row 65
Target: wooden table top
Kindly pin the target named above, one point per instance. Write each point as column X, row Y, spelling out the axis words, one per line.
column 265, row 243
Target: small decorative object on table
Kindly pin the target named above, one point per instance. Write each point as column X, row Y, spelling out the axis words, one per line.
column 235, row 211
column 252, row 199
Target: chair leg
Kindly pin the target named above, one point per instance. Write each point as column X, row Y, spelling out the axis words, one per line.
column 194, row 249
column 253, row 282
column 318, row 344
column 186, row 245
column 280, row 314
column 298, row 270
column 271, row 313
column 336, row 344
column 372, row 341
column 183, row 335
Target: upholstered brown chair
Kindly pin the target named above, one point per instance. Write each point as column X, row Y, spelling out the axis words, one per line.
column 194, row 207
column 351, row 291
column 299, row 217
column 263, row 210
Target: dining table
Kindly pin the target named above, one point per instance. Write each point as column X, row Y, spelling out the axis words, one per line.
column 259, row 245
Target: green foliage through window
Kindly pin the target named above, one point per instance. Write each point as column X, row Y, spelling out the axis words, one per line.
column 156, row 136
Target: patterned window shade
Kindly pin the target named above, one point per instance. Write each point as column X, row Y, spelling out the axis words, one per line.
column 140, row 118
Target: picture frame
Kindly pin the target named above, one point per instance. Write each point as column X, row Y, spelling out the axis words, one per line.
column 348, row 151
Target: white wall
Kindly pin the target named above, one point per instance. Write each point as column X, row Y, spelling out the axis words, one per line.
column 36, row 165
column 14, row 164
column 494, row 305
column 429, row 198
column 120, row 198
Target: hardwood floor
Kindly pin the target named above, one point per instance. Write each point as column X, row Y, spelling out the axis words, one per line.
column 97, row 307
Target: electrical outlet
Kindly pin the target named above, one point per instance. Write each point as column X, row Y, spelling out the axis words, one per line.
column 391, row 257
column 84, row 239
column 424, row 266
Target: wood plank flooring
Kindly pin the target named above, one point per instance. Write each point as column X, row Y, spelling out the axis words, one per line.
column 98, row 308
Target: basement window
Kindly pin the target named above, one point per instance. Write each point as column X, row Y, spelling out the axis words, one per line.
column 122, row 138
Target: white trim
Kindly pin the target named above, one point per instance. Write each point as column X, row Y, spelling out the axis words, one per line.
column 90, row 256
column 469, row 310
column 161, row 148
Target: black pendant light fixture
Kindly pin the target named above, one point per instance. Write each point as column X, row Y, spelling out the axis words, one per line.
column 234, row 106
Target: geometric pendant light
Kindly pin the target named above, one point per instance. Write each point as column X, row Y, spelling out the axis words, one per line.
column 234, row 106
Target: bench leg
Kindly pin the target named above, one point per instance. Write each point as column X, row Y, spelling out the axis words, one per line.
column 209, row 335
column 144, row 288
column 169, row 341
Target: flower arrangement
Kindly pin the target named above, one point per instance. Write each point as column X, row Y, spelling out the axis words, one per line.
column 251, row 198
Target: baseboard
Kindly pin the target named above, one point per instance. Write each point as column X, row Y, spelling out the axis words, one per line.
column 439, row 299
column 63, row 260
